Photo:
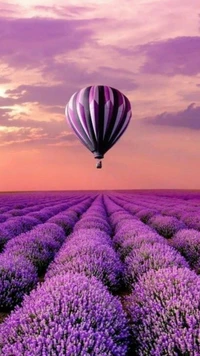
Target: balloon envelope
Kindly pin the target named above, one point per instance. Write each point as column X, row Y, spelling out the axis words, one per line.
column 99, row 115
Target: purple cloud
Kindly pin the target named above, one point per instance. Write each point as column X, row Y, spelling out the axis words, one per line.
column 4, row 116
column 6, row 101
column 170, row 57
column 28, row 131
column 31, row 42
column 174, row 56
column 52, row 95
column 72, row 79
column 189, row 118
column 71, row 74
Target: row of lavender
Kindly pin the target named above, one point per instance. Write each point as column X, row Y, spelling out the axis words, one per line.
column 183, row 234
column 73, row 312
column 26, row 256
column 21, row 205
column 16, row 201
column 163, row 307
column 188, row 212
column 30, row 217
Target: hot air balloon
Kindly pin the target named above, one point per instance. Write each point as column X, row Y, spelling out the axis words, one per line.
column 98, row 115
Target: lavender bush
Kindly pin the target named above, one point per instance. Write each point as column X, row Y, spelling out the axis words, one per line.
column 64, row 221
column 17, row 277
column 188, row 243
column 93, row 223
column 68, row 315
column 192, row 220
column 151, row 256
column 14, row 227
column 4, row 237
column 3, row 218
column 145, row 214
column 39, row 246
column 165, row 313
column 127, row 245
column 128, row 230
column 167, row 226
column 91, row 256
column 41, row 216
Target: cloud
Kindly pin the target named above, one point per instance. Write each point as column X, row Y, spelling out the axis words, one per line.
column 27, row 131
column 8, row 9
column 52, row 95
column 15, row 135
column 19, row 132
column 31, row 42
column 173, row 56
column 4, row 79
column 6, row 101
column 179, row 55
column 63, row 11
column 74, row 76
column 188, row 118
column 4, row 115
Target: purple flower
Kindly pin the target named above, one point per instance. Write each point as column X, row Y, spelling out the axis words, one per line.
column 89, row 252
column 93, row 223
column 167, row 226
column 173, row 211
column 39, row 245
column 68, row 315
column 151, row 256
column 4, row 237
column 145, row 214
column 17, row 277
column 41, row 216
column 16, row 226
column 131, row 242
column 192, row 220
column 16, row 212
column 3, row 218
column 188, row 243
column 165, row 314
column 132, row 208
column 64, row 221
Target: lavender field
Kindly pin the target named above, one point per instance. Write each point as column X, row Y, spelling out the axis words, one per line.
column 110, row 273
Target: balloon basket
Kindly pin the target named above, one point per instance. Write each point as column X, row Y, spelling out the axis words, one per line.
column 99, row 165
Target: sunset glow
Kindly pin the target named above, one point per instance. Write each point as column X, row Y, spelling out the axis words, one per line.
column 149, row 50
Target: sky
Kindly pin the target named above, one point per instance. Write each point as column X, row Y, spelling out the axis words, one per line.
column 147, row 49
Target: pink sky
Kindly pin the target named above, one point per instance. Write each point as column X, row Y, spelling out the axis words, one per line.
column 148, row 49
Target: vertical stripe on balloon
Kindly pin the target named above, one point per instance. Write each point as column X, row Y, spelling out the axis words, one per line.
column 81, row 111
column 76, row 127
column 108, row 108
column 123, row 128
column 93, row 100
column 120, row 113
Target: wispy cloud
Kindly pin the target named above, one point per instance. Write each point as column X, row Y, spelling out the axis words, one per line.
column 189, row 118
column 64, row 11
column 173, row 56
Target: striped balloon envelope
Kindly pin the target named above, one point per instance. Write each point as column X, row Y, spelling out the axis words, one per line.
column 98, row 115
